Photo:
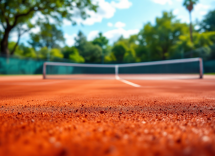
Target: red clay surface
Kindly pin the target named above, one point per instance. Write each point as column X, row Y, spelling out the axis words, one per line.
column 106, row 117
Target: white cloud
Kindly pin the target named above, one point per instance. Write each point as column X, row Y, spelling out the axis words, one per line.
column 35, row 30
column 70, row 39
column 92, row 35
column 66, row 22
column 113, row 35
column 110, row 24
column 119, row 25
column 105, row 10
column 121, row 4
column 201, row 6
column 163, row 2
column 176, row 11
column 203, row 13
column 13, row 36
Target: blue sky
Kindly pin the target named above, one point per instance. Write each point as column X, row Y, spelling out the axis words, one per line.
column 126, row 17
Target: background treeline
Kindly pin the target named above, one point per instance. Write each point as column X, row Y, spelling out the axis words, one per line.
column 167, row 38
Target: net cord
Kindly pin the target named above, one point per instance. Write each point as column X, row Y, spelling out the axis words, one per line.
column 124, row 65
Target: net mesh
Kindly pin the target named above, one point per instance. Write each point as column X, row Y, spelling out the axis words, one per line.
column 185, row 68
column 161, row 71
column 79, row 72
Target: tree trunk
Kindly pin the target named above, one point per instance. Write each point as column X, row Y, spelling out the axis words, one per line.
column 191, row 28
column 4, row 43
column 191, row 32
column 14, row 48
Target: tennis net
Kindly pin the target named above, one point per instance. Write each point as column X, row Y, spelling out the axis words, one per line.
column 168, row 69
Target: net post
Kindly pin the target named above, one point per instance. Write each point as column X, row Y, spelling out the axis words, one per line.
column 117, row 72
column 44, row 70
column 201, row 68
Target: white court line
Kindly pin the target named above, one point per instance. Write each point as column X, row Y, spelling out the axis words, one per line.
column 127, row 82
column 130, row 83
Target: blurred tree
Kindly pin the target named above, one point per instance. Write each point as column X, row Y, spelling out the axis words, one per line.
column 142, row 53
column 43, row 53
column 49, row 36
column 20, row 30
column 11, row 15
column 130, row 56
column 72, row 54
column 156, row 41
column 107, row 50
column 80, row 41
column 90, row 52
column 119, row 50
column 199, row 48
column 18, row 51
column 101, row 41
column 1, row 35
column 55, row 54
column 110, row 58
column 51, row 54
column 208, row 23
column 130, row 45
column 189, row 4
column 22, row 51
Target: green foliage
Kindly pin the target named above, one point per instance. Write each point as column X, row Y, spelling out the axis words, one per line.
column 107, row 50
column 168, row 38
column 16, row 12
column 124, row 50
column 72, row 54
column 110, row 58
column 101, row 41
column 80, row 41
column 55, row 53
column 50, row 54
column 11, row 45
column 119, row 50
column 130, row 56
column 142, row 53
column 160, row 38
column 43, row 53
column 199, row 48
column 90, row 52
column 50, row 8
column 49, row 36
column 189, row 4
column 22, row 51
column 208, row 24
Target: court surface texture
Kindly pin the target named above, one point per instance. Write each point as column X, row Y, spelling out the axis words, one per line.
column 106, row 117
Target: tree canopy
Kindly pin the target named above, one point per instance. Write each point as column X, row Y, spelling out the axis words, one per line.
column 11, row 16
column 160, row 38
column 208, row 24
column 49, row 36
column 90, row 52
column 166, row 38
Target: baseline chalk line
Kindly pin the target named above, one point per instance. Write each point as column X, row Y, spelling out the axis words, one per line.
column 128, row 82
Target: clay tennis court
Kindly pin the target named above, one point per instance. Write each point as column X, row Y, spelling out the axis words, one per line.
column 106, row 117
